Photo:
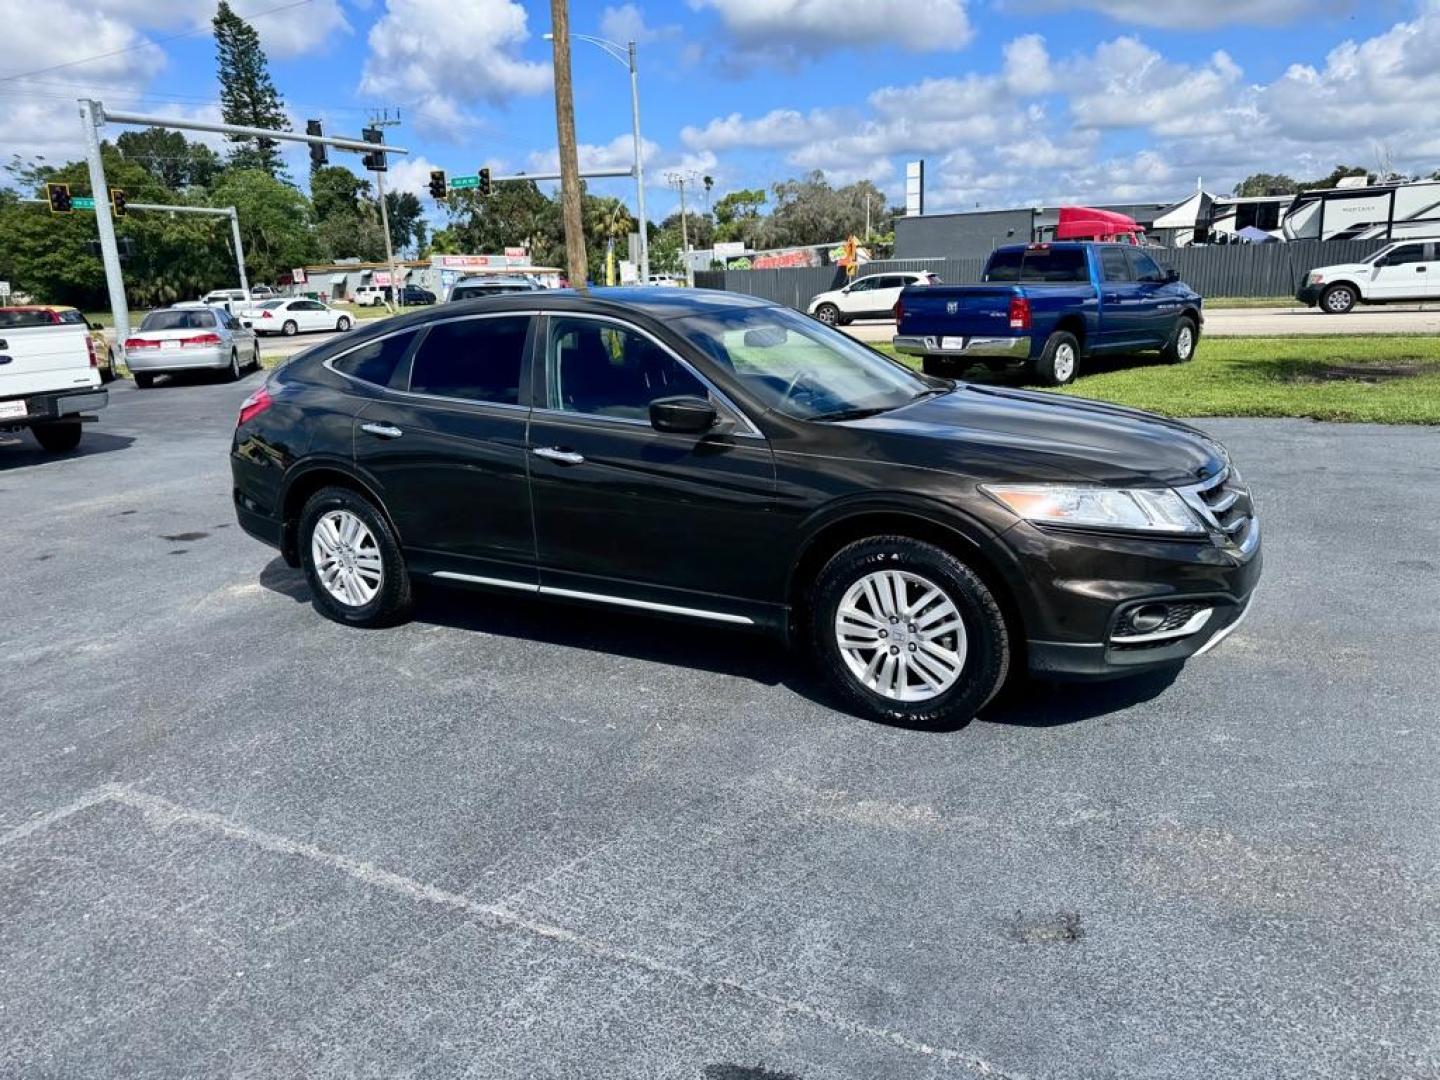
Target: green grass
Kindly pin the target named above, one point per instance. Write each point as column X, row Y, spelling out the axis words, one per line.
column 1392, row 379
column 1220, row 303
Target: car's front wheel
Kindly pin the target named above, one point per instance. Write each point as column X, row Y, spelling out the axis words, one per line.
column 1180, row 349
column 1338, row 299
column 352, row 560
column 828, row 314
column 342, row 324
column 908, row 633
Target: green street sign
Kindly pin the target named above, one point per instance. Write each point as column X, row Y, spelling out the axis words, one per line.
column 460, row 183
column 82, row 202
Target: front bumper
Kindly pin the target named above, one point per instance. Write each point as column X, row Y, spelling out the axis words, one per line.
column 1016, row 349
column 1092, row 584
column 1308, row 294
column 155, row 361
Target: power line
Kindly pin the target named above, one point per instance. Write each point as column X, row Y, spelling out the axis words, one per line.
column 146, row 44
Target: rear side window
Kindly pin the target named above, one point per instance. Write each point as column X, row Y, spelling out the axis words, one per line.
column 377, row 361
column 70, row 318
column 1004, row 266
column 475, row 359
column 1055, row 265
column 1113, row 264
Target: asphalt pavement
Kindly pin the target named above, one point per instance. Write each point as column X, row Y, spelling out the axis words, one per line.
column 518, row 840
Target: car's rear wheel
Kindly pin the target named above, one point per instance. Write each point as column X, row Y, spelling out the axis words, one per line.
column 142, row 380
column 232, row 373
column 291, row 328
column 829, row 314
column 255, row 359
column 107, row 373
column 1060, row 361
column 1180, row 349
column 908, row 633
column 58, row 438
column 352, row 560
column 1338, row 299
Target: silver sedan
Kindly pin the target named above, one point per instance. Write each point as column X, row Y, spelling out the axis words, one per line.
column 191, row 338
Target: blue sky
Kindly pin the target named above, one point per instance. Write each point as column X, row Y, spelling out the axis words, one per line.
column 1008, row 101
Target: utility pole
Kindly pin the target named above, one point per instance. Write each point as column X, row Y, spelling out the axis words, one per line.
column 381, row 119
column 90, row 114
column 569, row 155
column 679, row 180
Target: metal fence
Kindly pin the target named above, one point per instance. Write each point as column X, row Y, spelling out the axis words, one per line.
column 1262, row 270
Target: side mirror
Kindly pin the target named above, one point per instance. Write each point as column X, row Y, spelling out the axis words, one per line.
column 683, row 415
column 1171, row 275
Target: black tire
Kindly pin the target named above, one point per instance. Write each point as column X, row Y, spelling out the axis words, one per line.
column 342, row 324
column 232, row 373
column 987, row 657
column 392, row 603
column 107, row 373
column 828, row 314
column 942, row 367
column 143, row 381
column 1060, row 362
column 1180, row 349
column 1338, row 300
column 58, row 437
column 291, row 328
column 255, row 358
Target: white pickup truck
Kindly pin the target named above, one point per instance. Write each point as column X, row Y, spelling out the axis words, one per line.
column 49, row 377
column 1405, row 272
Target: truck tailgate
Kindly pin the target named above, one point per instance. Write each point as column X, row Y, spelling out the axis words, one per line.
column 37, row 359
column 957, row 310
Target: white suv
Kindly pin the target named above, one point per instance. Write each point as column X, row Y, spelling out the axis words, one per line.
column 1408, row 270
column 870, row 297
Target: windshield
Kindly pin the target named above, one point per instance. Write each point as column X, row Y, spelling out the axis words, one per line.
column 800, row 367
column 179, row 320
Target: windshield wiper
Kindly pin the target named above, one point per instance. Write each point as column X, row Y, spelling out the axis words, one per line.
column 852, row 414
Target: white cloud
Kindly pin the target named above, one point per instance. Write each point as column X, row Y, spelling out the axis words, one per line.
column 779, row 127
column 290, row 32
column 1028, row 70
column 1184, row 15
column 785, row 29
column 1129, row 84
column 627, row 23
column 443, row 56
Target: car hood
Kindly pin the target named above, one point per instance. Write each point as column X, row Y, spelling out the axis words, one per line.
column 1342, row 268
column 832, row 296
column 1084, row 439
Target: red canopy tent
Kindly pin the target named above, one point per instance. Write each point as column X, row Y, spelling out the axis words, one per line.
column 1086, row 223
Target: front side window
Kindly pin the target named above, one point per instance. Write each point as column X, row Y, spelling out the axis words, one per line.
column 605, row 369
column 801, row 368
column 1114, row 265
column 474, row 359
column 377, row 361
column 865, row 284
column 1405, row 255
column 1144, row 268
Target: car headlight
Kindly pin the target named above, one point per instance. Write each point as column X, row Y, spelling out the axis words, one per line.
column 1157, row 510
column 1317, row 278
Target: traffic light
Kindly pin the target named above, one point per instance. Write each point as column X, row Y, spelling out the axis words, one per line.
column 437, row 185
column 484, row 185
column 117, row 200
column 319, row 155
column 375, row 160
column 59, row 196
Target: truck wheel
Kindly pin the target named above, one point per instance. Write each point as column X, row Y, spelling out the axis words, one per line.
column 829, row 314
column 1338, row 299
column 942, row 367
column 1180, row 349
column 143, row 381
column 1060, row 360
column 908, row 633
column 58, row 438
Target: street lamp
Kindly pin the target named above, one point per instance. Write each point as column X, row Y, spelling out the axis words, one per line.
column 625, row 54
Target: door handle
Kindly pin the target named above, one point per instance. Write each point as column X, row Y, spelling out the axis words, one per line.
column 384, row 431
column 554, row 453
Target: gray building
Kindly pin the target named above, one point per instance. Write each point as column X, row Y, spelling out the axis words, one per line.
column 975, row 234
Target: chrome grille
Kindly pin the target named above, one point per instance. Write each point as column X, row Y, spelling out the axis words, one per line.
column 1224, row 503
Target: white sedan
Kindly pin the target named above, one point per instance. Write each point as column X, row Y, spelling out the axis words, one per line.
column 290, row 317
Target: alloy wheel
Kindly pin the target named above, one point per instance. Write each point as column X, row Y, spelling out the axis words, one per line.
column 1185, row 343
column 1064, row 363
column 901, row 636
column 347, row 558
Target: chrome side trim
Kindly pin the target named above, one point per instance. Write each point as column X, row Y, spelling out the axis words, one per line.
column 475, row 579
column 1198, row 620
column 1227, row 631
column 599, row 598
column 648, row 605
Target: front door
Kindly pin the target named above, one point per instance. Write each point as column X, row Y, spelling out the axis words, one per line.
column 1121, row 323
column 1403, row 274
column 636, row 516
column 1155, row 303
column 446, row 447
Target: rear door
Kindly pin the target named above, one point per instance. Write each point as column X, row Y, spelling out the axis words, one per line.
column 1404, row 273
column 886, row 293
column 446, row 446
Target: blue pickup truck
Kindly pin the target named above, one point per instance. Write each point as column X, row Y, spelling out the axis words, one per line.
column 1049, row 306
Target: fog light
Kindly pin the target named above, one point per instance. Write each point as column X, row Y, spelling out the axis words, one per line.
column 1149, row 618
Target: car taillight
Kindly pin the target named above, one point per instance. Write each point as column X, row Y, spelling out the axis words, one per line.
column 94, row 356
column 899, row 310
column 254, row 405
column 266, row 315
column 141, row 343
column 1019, row 313
column 201, row 339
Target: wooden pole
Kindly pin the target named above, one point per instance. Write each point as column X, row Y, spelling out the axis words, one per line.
column 569, row 156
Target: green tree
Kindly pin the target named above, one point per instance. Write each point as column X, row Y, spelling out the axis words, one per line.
column 809, row 211
column 174, row 160
column 517, row 214
column 1262, row 184
column 247, row 94
column 606, row 220
column 407, row 220
column 1340, row 172
column 335, row 191
column 275, row 221
column 738, row 215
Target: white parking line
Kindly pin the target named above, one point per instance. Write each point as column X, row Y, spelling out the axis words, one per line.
column 165, row 813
